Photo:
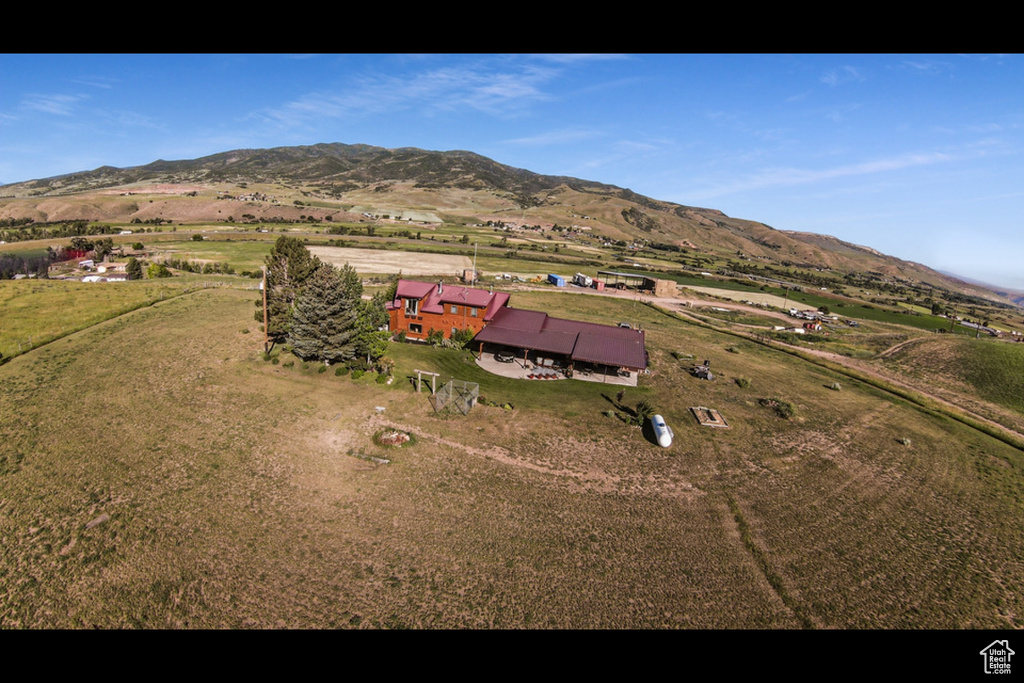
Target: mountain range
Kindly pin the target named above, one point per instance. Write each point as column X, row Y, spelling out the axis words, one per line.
column 339, row 181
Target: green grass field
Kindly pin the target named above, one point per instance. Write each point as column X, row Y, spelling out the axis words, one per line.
column 35, row 312
column 156, row 472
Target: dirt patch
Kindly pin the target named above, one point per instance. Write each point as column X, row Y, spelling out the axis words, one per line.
column 392, row 438
column 393, row 262
column 756, row 297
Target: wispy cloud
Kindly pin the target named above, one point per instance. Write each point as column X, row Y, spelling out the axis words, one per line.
column 556, row 137
column 844, row 74
column 60, row 105
column 778, row 177
column 501, row 89
column 102, row 82
column 132, row 119
column 839, row 114
column 925, row 66
column 579, row 58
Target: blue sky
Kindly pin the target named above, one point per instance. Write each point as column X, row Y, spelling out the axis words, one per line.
column 918, row 156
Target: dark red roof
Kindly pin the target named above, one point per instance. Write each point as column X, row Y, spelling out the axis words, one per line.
column 434, row 300
column 590, row 342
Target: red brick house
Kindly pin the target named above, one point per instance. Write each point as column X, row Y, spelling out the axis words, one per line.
column 420, row 307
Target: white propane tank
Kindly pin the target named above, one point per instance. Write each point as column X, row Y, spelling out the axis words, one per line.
column 662, row 431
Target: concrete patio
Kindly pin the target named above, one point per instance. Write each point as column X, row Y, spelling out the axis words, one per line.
column 518, row 369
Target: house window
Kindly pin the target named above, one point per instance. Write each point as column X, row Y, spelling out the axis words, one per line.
column 416, row 329
column 412, row 306
column 455, row 309
column 472, row 312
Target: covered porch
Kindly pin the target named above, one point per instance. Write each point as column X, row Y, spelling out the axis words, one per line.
column 545, row 366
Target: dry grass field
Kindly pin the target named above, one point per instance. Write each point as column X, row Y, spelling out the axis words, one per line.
column 374, row 262
column 156, row 472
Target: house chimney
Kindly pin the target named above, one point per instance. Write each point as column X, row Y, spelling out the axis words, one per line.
column 439, row 286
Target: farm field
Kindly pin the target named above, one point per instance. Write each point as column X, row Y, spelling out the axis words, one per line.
column 372, row 261
column 744, row 295
column 35, row 312
column 156, row 472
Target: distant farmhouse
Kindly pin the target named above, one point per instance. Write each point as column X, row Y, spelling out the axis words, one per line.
column 420, row 307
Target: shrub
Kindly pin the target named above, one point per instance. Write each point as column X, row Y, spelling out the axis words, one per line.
column 782, row 408
column 322, row 369
column 385, row 365
column 356, row 374
column 460, row 338
column 341, row 370
column 742, row 382
column 644, row 410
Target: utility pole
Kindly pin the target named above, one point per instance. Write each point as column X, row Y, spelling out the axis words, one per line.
column 266, row 335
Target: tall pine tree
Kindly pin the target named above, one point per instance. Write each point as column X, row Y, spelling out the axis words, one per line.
column 324, row 319
column 289, row 265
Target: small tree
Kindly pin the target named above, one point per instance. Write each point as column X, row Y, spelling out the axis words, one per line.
column 156, row 270
column 134, row 269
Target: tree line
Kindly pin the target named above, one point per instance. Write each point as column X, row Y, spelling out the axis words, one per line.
column 319, row 311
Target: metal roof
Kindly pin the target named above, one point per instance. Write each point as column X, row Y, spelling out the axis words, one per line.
column 589, row 342
column 435, row 295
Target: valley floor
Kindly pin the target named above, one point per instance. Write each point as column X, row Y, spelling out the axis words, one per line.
column 155, row 472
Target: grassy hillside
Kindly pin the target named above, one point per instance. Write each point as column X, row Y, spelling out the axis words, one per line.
column 982, row 374
column 155, row 472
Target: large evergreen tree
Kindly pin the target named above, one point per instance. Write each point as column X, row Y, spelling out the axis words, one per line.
column 324, row 320
column 289, row 264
